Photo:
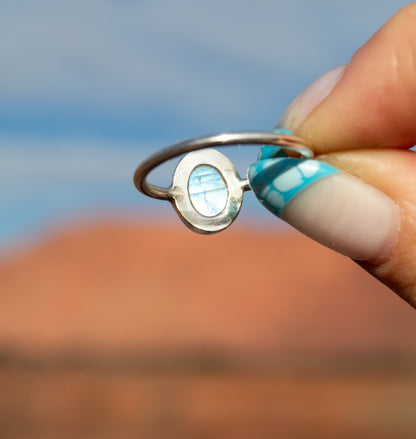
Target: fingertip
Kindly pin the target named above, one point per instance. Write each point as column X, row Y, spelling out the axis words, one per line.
column 374, row 102
column 300, row 109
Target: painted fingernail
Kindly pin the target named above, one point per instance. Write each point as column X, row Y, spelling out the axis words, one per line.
column 332, row 207
column 309, row 99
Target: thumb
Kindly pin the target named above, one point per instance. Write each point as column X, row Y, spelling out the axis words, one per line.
column 393, row 173
column 345, row 115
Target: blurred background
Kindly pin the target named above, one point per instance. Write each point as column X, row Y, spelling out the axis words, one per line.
column 118, row 322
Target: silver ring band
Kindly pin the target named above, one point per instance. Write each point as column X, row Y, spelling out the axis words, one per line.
column 293, row 146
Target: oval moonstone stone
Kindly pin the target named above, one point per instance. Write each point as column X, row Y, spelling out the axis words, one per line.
column 207, row 190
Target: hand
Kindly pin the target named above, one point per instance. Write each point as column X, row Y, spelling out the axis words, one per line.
column 361, row 120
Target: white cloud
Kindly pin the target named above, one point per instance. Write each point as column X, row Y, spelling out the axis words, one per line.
column 28, row 162
column 46, row 162
column 123, row 53
column 205, row 59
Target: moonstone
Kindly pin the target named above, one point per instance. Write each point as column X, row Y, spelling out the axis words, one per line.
column 207, row 190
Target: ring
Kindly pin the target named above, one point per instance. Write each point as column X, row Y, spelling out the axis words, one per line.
column 207, row 191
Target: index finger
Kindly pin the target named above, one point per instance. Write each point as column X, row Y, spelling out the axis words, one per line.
column 368, row 104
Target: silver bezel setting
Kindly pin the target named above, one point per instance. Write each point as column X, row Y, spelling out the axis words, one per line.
column 180, row 194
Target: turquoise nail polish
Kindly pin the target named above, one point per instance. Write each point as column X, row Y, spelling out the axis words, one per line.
column 276, row 181
column 270, row 151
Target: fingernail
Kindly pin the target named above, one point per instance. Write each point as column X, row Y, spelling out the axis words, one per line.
column 334, row 208
column 309, row 99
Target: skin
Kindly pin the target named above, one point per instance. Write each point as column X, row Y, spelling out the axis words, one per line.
column 365, row 127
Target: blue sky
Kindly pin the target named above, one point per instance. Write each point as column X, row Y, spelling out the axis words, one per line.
column 89, row 87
